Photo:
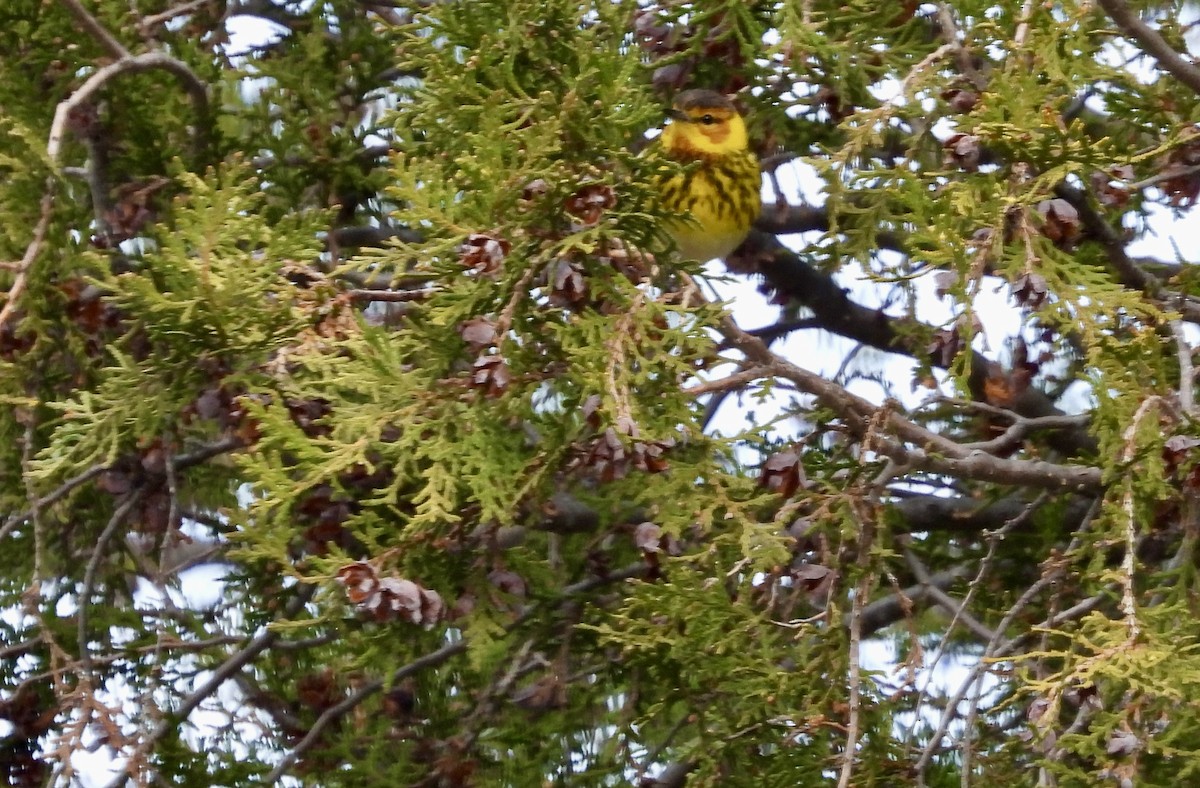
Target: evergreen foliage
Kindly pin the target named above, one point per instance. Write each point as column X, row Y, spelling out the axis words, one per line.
column 375, row 320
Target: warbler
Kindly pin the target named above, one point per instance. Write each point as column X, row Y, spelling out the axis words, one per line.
column 720, row 190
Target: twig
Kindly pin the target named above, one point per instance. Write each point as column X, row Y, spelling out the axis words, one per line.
column 352, row 700
column 861, row 591
column 1022, row 32
column 994, row 540
column 21, row 280
column 208, row 451
column 158, row 575
column 1129, row 272
column 1083, row 715
column 96, row 142
column 89, row 575
column 657, row 751
column 1051, row 576
column 520, row 291
column 889, row 609
column 259, row 643
column 674, row 775
column 375, row 236
column 17, row 649
column 1022, row 427
column 392, row 296
column 126, row 64
column 729, row 382
column 40, row 503
column 776, row 330
column 185, row 460
column 1129, row 560
column 172, row 528
column 1190, row 518
column 976, row 671
column 925, row 63
column 166, row 16
column 1165, row 175
column 471, row 726
column 957, row 609
column 126, row 654
column 805, row 218
column 789, row 275
column 949, row 33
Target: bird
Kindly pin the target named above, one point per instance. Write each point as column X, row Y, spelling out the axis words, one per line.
column 719, row 193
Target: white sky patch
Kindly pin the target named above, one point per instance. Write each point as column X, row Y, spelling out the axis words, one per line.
column 247, row 33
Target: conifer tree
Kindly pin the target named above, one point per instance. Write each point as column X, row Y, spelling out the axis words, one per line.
column 359, row 419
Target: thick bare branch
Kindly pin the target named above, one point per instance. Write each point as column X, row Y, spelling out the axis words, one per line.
column 836, row 312
column 1150, row 40
column 913, row 445
column 805, row 218
column 968, row 515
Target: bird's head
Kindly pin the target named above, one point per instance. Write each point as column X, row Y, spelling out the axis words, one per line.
column 703, row 124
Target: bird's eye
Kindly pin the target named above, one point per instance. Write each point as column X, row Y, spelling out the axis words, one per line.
column 708, row 120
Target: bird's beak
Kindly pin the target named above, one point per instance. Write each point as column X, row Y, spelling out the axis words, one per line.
column 675, row 114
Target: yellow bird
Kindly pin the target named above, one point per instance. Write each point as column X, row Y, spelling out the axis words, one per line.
column 721, row 188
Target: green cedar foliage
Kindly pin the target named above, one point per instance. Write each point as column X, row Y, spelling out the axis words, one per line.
column 381, row 323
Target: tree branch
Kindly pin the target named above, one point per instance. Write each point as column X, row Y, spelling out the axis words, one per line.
column 259, row 643
column 374, row 236
column 58, row 493
column 788, row 275
column 1130, row 272
column 351, row 701
column 890, row 609
column 184, row 460
column 21, row 280
column 939, row 595
column 133, row 64
column 147, row 22
column 208, row 451
column 432, row 659
column 805, row 218
column 92, row 27
column 970, row 516
column 914, row 446
column 1152, row 42
column 1051, row 575
column 62, row 114
column 89, row 575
